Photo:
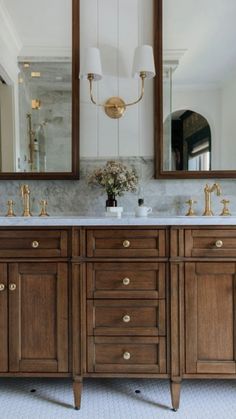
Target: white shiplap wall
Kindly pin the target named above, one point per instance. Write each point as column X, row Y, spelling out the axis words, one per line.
column 116, row 27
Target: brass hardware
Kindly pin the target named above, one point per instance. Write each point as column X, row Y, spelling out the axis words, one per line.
column 35, row 244
column 126, row 318
column 190, row 212
column 126, row 356
column 2, row 287
column 43, row 212
column 31, row 135
column 10, row 212
column 35, row 104
column 219, row 244
column 25, row 193
column 208, row 190
column 115, row 107
column 35, row 74
column 12, row 287
column 126, row 281
column 225, row 210
column 126, row 244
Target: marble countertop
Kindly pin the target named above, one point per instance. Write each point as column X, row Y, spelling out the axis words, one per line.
column 115, row 221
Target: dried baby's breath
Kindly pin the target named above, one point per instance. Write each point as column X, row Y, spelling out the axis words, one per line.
column 115, row 178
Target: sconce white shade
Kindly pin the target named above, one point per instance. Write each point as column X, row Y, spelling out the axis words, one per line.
column 91, row 64
column 144, row 62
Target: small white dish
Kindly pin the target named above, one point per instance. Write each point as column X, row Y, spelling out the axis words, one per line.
column 114, row 212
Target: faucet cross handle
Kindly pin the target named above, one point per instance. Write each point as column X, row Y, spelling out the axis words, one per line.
column 10, row 212
column 225, row 210
column 191, row 211
column 43, row 212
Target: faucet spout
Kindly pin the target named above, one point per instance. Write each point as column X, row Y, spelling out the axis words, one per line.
column 207, row 191
column 25, row 194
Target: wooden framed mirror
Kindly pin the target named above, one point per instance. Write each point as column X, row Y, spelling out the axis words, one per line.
column 195, row 89
column 39, row 89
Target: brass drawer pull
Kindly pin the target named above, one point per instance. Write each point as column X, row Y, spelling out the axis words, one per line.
column 126, row 244
column 126, row 281
column 2, row 287
column 126, row 356
column 35, row 244
column 12, row 287
column 126, row 318
column 219, row 244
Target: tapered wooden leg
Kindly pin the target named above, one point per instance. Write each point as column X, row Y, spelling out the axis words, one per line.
column 175, row 394
column 77, row 389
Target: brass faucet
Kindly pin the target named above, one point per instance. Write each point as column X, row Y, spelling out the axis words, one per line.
column 208, row 190
column 25, row 193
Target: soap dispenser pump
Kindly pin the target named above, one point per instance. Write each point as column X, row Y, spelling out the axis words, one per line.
column 140, row 202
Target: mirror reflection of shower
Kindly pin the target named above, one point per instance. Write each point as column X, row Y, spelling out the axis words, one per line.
column 45, row 115
column 37, row 160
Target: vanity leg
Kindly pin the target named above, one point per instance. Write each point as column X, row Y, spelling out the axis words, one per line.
column 77, row 389
column 175, row 394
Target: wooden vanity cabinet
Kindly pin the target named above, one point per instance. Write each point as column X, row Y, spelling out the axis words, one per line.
column 203, row 303
column 210, row 291
column 126, row 301
column 156, row 302
column 34, row 303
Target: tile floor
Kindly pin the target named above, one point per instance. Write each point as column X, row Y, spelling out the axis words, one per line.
column 115, row 399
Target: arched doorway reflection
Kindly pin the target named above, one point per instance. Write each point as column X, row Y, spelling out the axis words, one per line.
column 190, row 140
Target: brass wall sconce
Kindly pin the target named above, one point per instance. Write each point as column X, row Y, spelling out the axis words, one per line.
column 143, row 67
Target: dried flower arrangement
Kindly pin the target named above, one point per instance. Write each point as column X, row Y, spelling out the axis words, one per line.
column 115, row 178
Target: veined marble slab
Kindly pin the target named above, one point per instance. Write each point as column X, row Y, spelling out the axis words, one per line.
column 110, row 221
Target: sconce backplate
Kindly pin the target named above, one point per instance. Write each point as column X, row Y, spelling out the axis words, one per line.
column 115, row 107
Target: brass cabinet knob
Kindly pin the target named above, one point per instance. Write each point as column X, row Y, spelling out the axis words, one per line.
column 219, row 244
column 126, row 318
column 12, row 287
column 126, row 281
column 2, row 287
column 126, row 244
column 126, row 356
column 35, row 244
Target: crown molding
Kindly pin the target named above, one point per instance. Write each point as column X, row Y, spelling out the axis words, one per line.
column 44, row 51
column 7, row 29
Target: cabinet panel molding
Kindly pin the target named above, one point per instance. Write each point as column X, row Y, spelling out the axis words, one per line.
column 3, row 318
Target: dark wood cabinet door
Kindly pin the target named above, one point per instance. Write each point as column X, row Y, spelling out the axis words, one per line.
column 38, row 317
column 210, row 291
column 3, row 319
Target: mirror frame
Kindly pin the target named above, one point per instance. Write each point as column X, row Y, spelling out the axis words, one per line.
column 74, row 174
column 158, row 112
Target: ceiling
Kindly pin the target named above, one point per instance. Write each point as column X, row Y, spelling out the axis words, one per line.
column 206, row 29
column 43, row 24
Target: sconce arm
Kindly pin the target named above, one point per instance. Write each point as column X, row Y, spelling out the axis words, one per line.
column 115, row 106
column 90, row 79
column 105, row 105
column 143, row 77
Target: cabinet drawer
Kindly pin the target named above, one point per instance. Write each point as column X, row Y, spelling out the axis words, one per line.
column 33, row 243
column 128, row 355
column 210, row 243
column 126, row 280
column 126, row 243
column 130, row 317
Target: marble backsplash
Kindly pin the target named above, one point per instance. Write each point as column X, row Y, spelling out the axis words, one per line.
column 166, row 197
